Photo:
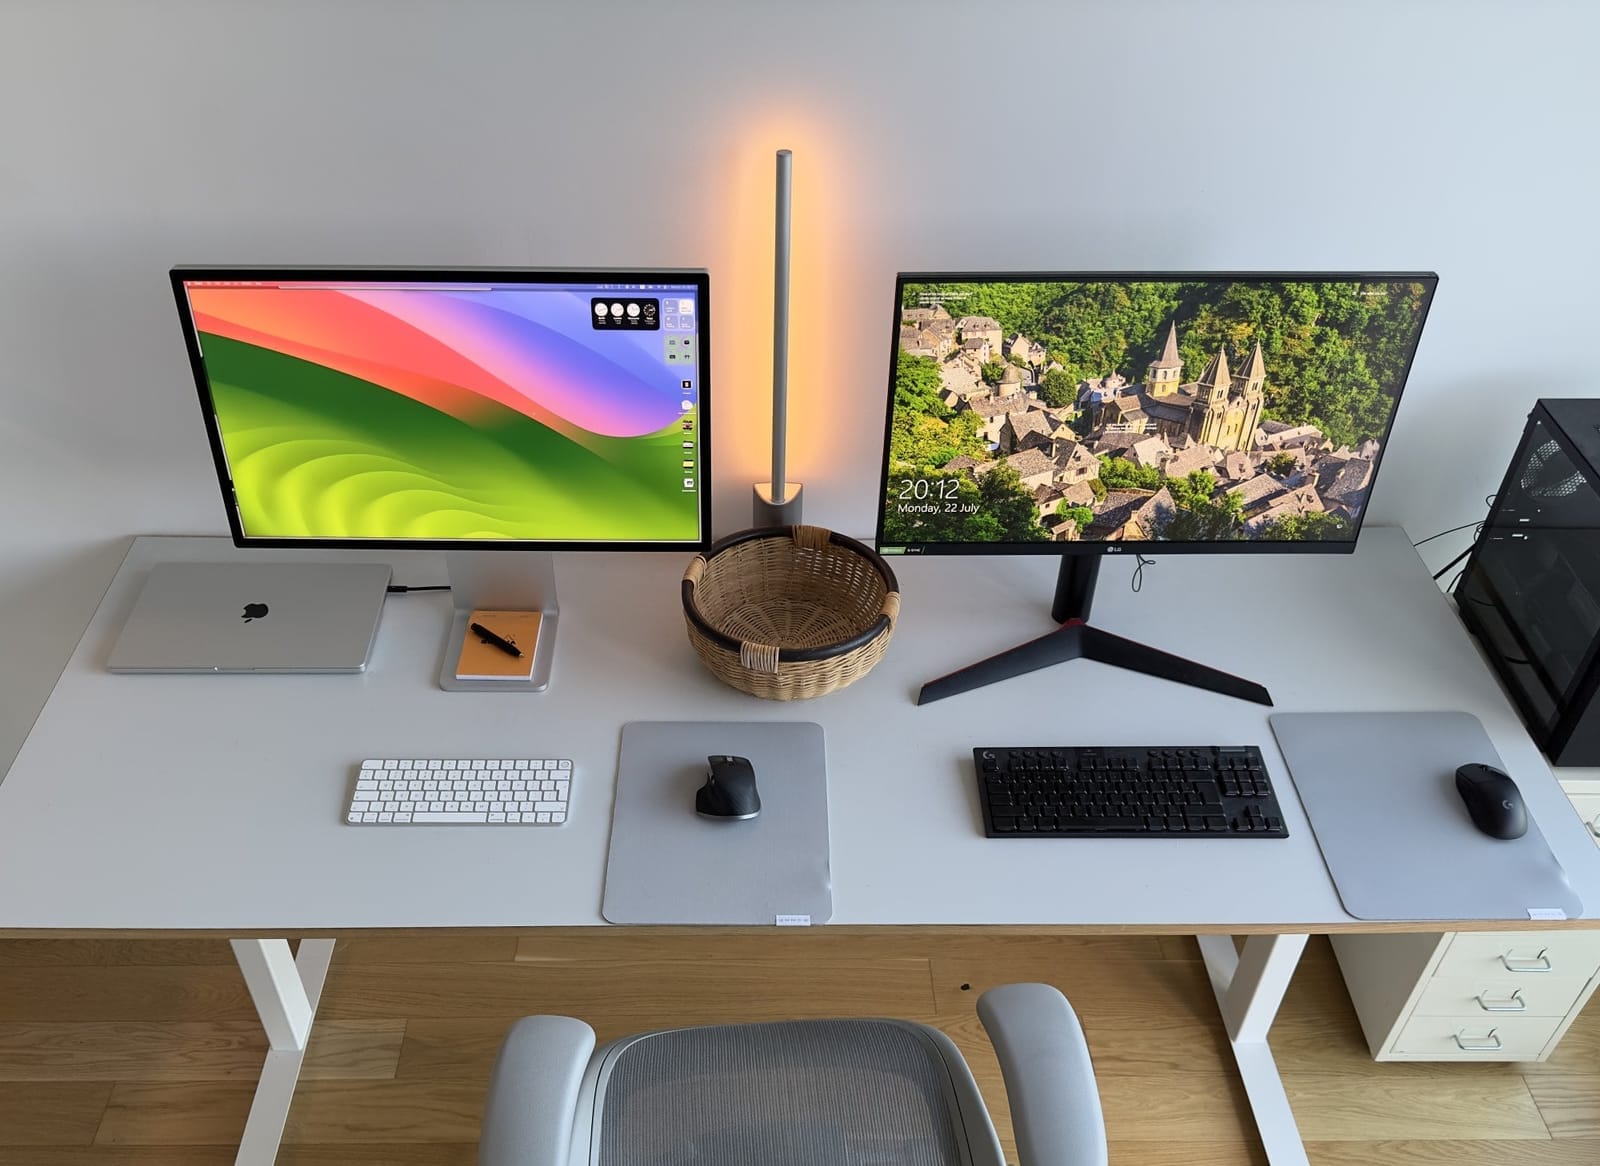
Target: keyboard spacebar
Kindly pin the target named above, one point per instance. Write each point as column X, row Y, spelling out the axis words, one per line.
column 458, row 818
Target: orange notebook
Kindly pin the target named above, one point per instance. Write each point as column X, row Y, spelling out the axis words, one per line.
column 482, row 659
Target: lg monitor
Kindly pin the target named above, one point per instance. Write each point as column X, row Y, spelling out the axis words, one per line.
column 1078, row 415
column 461, row 409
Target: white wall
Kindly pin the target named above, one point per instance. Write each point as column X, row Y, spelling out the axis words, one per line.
column 1234, row 135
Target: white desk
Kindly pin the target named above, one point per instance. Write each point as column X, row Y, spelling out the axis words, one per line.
column 214, row 804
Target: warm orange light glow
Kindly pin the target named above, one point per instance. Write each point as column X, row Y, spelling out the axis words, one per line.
column 742, row 299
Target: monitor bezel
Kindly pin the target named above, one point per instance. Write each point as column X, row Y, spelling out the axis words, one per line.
column 698, row 278
column 1149, row 547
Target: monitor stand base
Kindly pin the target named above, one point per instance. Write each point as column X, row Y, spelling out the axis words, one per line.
column 500, row 581
column 1075, row 639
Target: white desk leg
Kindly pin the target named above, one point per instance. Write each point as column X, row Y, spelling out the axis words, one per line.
column 285, row 990
column 1249, row 987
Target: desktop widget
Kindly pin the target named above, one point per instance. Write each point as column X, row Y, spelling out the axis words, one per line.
column 451, row 411
column 1032, row 412
column 632, row 314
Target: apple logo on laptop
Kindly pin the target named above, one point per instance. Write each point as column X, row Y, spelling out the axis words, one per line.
column 253, row 611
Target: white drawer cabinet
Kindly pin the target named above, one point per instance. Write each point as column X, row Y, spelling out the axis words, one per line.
column 1468, row 996
column 1474, row 996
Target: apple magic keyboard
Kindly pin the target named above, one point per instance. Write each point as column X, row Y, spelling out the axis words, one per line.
column 413, row 791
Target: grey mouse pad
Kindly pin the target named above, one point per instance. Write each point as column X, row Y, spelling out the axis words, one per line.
column 1379, row 789
column 669, row 865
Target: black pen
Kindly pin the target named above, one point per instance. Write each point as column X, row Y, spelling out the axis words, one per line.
column 500, row 642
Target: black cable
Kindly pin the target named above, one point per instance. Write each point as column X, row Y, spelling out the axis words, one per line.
column 1442, row 533
column 1477, row 533
column 1455, row 560
column 1138, row 571
column 398, row 589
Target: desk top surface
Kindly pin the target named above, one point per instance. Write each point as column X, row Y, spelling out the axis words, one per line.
column 216, row 803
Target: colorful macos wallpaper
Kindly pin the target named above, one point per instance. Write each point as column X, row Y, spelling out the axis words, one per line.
column 373, row 409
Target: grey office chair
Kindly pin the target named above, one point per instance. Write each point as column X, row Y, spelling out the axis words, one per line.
column 794, row 1093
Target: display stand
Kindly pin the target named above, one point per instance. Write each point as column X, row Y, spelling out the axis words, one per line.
column 1075, row 639
column 506, row 581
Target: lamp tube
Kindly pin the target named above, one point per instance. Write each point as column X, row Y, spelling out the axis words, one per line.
column 780, row 330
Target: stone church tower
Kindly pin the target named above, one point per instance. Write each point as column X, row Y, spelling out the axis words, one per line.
column 1228, row 405
column 1211, row 401
column 1250, row 387
column 1164, row 374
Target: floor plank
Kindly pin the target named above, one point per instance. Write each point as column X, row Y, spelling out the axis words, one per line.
column 406, row 1112
column 342, row 1050
column 124, row 1050
column 1330, row 1107
column 117, row 952
column 76, row 994
column 380, row 1154
column 629, row 992
column 190, row 1113
column 126, row 1156
column 1532, row 1152
column 1570, row 1103
column 459, row 949
column 51, row 1113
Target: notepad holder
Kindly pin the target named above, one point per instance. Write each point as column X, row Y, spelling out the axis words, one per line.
column 506, row 581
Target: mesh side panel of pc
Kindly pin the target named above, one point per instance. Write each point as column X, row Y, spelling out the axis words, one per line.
column 795, row 1093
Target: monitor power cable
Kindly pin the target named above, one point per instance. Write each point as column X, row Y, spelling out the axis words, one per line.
column 1138, row 571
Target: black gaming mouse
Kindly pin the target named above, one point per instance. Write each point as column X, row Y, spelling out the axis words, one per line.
column 1493, row 801
column 729, row 791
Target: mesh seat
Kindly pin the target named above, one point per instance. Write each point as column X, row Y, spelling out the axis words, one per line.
column 794, row 1093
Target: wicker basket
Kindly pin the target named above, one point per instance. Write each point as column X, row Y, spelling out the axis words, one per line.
column 790, row 612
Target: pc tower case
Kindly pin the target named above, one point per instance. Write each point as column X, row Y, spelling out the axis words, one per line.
column 1530, row 591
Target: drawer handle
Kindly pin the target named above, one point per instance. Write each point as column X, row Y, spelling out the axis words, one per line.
column 1513, row 1003
column 1539, row 963
column 1491, row 1043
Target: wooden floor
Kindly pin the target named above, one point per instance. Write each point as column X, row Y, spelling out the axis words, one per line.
column 145, row 1052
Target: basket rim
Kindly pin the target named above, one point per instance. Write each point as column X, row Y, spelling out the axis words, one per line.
column 792, row 655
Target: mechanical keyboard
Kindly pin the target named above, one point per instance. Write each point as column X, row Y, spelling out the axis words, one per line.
column 412, row 791
column 1208, row 791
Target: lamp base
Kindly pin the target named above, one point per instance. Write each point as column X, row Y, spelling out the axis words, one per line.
column 769, row 511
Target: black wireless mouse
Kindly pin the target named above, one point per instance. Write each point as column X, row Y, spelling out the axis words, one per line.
column 1493, row 801
column 730, row 790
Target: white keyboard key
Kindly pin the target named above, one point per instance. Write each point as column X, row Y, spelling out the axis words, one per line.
column 544, row 817
column 385, row 816
column 564, row 765
column 432, row 819
column 494, row 817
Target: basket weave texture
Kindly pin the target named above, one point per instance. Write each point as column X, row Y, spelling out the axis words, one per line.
column 801, row 588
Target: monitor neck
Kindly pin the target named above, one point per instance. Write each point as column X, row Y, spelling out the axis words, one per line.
column 1075, row 587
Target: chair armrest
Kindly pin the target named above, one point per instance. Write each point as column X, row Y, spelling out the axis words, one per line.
column 533, row 1091
column 1055, row 1106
